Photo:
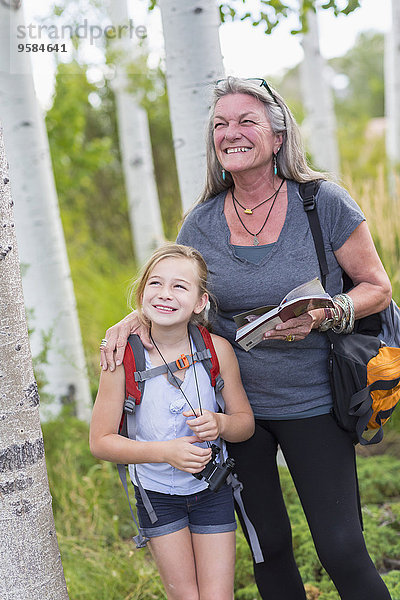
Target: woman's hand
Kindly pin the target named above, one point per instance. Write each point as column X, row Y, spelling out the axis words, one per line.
column 206, row 426
column 299, row 327
column 117, row 336
column 182, row 454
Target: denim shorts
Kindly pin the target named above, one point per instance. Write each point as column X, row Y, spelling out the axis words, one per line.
column 204, row 512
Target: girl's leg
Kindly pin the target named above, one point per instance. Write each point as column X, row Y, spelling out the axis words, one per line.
column 321, row 459
column 174, row 557
column 255, row 463
column 215, row 564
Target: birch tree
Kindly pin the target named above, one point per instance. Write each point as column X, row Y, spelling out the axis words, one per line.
column 320, row 122
column 135, row 146
column 392, row 87
column 193, row 62
column 30, row 560
column 47, row 281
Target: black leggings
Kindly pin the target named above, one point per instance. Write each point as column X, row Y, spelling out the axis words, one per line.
column 321, row 460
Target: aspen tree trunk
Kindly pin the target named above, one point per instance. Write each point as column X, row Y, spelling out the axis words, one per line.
column 47, row 280
column 392, row 87
column 320, row 122
column 193, row 64
column 135, row 146
column 30, row 560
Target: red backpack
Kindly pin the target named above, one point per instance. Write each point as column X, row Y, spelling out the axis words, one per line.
column 136, row 373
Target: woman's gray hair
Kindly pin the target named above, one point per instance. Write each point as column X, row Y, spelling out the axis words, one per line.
column 291, row 159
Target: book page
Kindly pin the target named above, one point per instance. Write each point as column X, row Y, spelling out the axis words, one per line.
column 305, row 290
column 250, row 315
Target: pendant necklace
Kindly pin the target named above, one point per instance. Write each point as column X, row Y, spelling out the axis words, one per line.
column 274, row 196
column 249, row 211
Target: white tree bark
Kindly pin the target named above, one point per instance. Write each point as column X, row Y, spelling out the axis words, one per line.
column 392, row 87
column 135, row 146
column 30, row 559
column 193, row 63
column 320, row 124
column 47, row 281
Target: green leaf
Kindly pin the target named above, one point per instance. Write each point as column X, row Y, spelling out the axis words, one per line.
column 351, row 5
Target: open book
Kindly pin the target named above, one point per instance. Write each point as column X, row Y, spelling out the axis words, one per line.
column 254, row 323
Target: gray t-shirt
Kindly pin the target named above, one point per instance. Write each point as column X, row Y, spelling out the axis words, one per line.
column 280, row 378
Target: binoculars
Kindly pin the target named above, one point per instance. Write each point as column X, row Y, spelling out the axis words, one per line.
column 215, row 473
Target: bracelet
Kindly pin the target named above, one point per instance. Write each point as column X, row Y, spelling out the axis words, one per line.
column 345, row 322
column 328, row 321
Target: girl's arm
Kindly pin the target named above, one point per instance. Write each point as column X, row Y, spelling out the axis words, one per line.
column 237, row 423
column 107, row 444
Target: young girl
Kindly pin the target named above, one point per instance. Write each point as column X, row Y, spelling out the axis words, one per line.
column 193, row 539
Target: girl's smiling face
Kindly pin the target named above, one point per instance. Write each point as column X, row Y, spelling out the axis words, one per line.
column 172, row 293
column 243, row 137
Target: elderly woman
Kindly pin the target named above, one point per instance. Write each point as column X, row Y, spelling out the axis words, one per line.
column 251, row 228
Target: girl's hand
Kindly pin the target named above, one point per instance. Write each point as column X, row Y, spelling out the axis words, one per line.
column 117, row 336
column 206, row 426
column 182, row 454
column 299, row 327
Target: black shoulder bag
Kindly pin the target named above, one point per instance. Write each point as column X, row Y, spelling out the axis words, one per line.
column 364, row 370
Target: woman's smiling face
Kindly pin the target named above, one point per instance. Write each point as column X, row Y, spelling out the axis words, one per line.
column 243, row 137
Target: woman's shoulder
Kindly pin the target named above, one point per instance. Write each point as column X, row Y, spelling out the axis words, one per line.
column 201, row 219
column 332, row 197
column 326, row 188
column 206, row 206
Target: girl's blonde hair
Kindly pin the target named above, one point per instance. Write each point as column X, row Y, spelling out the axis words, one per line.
column 169, row 250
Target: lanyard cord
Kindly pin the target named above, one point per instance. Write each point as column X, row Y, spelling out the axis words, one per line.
column 179, row 383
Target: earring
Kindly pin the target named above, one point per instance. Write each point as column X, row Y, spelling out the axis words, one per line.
column 223, row 174
column 275, row 166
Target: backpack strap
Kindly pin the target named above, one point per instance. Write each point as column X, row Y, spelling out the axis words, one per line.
column 237, row 487
column 308, row 192
column 134, row 360
column 361, row 406
column 139, row 539
column 202, row 339
column 184, row 361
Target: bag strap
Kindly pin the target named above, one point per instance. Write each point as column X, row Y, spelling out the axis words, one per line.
column 135, row 364
column 134, row 360
column 203, row 340
column 237, row 488
column 184, row 361
column 308, row 192
column 361, row 407
column 139, row 539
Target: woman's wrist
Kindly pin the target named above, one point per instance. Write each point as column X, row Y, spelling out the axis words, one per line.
column 318, row 316
column 340, row 318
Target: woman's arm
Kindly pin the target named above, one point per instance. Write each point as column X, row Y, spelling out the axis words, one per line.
column 237, row 423
column 358, row 257
column 372, row 291
column 107, row 444
column 113, row 353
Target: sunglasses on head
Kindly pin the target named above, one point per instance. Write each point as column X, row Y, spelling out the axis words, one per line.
column 264, row 84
